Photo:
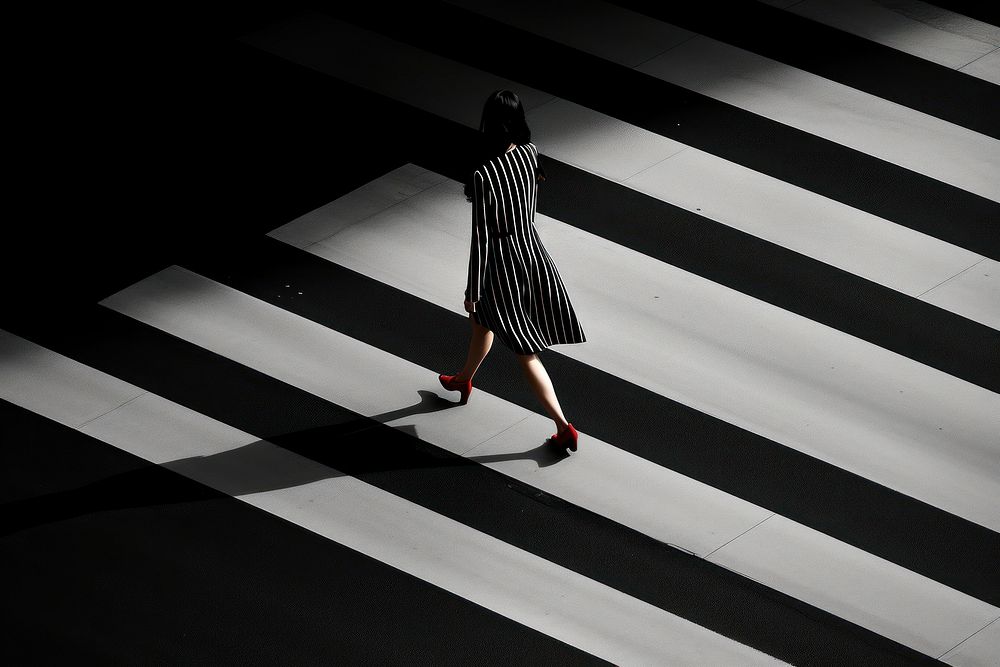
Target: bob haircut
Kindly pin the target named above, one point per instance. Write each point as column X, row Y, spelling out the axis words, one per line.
column 501, row 124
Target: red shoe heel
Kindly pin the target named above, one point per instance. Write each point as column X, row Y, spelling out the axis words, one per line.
column 567, row 438
column 449, row 383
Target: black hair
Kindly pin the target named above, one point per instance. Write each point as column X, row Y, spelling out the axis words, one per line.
column 501, row 124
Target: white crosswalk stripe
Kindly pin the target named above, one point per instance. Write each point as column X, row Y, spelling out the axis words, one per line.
column 918, row 28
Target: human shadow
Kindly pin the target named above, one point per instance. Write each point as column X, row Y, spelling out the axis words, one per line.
column 364, row 446
column 543, row 455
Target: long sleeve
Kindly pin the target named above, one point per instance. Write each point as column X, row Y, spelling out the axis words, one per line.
column 478, row 254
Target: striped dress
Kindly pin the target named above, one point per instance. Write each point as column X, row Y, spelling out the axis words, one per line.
column 519, row 293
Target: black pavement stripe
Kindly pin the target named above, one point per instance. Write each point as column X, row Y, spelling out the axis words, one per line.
column 987, row 12
column 794, row 282
column 905, row 531
column 839, row 56
column 764, row 270
column 461, row 489
column 129, row 561
column 822, row 166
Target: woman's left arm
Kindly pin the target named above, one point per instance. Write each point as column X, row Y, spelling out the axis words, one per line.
column 478, row 255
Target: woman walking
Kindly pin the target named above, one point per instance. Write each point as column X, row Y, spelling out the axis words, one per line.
column 514, row 291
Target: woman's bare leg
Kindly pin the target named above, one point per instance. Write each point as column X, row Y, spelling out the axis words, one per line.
column 479, row 347
column 540, row 383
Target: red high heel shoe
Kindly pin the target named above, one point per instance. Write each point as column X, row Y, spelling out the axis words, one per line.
column 566, row 439
column 449, row 383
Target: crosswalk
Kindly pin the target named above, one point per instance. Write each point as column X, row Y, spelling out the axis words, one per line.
column 794, row 457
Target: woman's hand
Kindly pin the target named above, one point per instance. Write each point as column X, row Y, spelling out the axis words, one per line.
column 470, row 306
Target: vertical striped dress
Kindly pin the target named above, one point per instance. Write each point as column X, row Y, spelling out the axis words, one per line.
column 519, row 293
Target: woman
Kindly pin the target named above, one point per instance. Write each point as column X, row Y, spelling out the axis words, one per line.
column 514, row 290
